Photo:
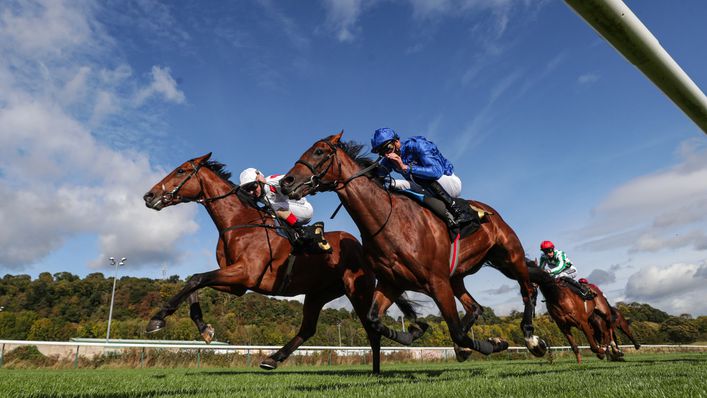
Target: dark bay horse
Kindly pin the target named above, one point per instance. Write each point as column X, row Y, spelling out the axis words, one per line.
column 567, row 309
column 408, row 246
column 253, row 256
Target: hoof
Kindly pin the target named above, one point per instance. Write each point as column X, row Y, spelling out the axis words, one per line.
column 498, row 344
column 536, row 346
column 462, row 353
column 268, row 364
column 155, row 325
column 208, row 333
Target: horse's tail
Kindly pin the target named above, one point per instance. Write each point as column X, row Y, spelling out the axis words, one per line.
column 407, row 306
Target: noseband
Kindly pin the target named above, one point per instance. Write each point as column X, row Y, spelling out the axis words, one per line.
column 171, row 195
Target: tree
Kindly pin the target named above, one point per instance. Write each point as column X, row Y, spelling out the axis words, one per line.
column 680, row 330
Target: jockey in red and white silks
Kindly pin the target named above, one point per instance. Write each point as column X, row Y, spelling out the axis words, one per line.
column 267, row 190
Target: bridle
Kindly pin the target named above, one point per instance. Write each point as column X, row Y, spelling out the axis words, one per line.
column 171, row 195
column 315, row 180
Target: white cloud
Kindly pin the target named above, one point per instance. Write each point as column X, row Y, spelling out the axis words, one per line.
column 342, row 16
column 678, row 288
column 588, row 78
column 163, row 84
column 661, row 210
column 58, row 82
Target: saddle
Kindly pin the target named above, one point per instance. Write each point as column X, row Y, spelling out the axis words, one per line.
column 439, row 209
column 307, row 239
column 582, row 290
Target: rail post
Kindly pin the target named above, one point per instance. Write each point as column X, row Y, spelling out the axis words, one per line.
column 142, row 358
column 247, row 358
column 2, row 355
column 76, row 357
column 198, row 358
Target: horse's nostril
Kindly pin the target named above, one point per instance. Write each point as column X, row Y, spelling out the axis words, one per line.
column 148, row 196
column 288, row 180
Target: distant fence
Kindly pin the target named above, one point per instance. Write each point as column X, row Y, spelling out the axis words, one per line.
column 92, row 348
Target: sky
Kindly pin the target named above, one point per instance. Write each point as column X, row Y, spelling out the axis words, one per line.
column 542, row 119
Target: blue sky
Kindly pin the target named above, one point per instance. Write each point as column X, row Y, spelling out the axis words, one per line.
column 541, row 117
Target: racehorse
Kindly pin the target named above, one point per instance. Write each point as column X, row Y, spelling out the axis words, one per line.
column 253, row 256
column 408, row 246
column 567, row 309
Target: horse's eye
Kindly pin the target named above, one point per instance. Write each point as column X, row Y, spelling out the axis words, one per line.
column 318, row 152
column 180, row 171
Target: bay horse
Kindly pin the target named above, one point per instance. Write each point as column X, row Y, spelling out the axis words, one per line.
column 592, row 317
column 408, row 246
column 253, row 256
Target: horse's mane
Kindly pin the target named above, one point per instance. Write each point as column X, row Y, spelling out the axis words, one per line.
column 354, row 150
column 220, row 170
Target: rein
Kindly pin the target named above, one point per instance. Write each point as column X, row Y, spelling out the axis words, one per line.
column 314, row 182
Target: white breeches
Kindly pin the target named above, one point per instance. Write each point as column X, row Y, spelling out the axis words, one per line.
column 451, row 184
column 570, row 272
column 301, row 209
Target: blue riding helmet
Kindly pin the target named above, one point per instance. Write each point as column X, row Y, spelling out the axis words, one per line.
column 381, row 136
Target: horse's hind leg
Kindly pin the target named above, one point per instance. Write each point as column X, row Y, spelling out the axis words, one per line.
column 310, row 315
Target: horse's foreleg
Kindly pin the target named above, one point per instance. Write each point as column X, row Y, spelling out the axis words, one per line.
column 443, row 296
column 383, row 298
column 473, row 311
column 567, row 331
column 359, row 286
column 471, row 307
column 311, row 309
column 589, row 333
column 222, row 277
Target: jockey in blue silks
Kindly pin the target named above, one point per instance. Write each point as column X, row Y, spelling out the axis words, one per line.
column 423, row 166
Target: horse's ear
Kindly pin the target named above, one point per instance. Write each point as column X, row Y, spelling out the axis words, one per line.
column 334, row 139
column 202, row 159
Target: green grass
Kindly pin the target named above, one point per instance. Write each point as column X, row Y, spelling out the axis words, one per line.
column 649, row 375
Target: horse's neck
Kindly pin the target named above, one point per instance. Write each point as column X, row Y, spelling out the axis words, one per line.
column 368, row 204
column 227, row 211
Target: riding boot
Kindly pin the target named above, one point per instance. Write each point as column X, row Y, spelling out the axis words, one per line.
column 459, row 210
column 583, row 289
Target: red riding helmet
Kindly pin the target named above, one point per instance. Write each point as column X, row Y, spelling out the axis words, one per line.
column 547, row 245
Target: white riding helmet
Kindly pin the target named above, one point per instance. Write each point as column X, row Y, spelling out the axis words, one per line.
column 249, row 175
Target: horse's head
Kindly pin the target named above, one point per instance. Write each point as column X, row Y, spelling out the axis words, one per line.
column 314, row 171
column 178, row 186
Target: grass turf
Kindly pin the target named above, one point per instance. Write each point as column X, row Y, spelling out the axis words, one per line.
column 655, row 375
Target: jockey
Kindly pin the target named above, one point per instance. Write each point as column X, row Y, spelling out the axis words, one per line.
column 295, row 213
column 558, row 265
column 423, row 166
column 267, row 190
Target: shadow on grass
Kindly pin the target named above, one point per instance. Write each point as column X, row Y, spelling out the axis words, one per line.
column 333, row 372
column 141, row 394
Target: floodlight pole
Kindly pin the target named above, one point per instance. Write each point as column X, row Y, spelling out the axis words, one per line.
column 616, row 23
column 112, row 295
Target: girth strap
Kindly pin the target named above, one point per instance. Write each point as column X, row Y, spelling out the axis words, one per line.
column 287, row 277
